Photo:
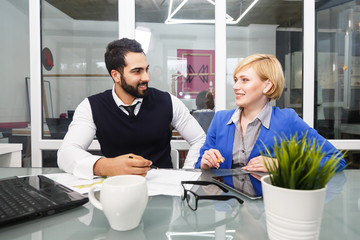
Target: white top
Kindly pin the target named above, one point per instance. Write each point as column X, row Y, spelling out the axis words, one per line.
column 74, row 158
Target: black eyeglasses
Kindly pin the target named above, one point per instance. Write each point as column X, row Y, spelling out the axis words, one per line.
column 193, row 198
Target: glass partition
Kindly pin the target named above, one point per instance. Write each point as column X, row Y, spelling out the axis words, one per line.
column 14, row 69
column 269, row 27
column 337, row 112
column 338, row 69
column 74, row 39
column 180, row 44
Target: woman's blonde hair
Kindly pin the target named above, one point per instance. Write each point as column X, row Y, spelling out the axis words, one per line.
column 267, row 67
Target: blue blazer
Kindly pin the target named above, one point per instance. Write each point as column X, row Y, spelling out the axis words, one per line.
column 283, row 122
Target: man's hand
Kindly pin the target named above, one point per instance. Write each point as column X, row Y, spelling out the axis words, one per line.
column 211, row 158
column 256, row 164
column 125, row 164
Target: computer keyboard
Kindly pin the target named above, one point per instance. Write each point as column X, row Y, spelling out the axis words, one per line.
column 18, row 199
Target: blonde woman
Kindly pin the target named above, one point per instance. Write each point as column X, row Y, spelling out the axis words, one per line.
column 235, row 137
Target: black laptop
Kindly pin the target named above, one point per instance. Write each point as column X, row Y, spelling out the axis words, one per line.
column 31, row 197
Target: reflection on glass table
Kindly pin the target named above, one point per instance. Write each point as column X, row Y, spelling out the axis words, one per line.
column 192, row 198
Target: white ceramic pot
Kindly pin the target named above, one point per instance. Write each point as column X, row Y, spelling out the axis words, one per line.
column 292, row 214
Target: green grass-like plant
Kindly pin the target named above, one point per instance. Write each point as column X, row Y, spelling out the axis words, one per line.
column 299, row 164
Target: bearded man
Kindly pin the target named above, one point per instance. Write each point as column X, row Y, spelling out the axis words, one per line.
column 131, row 121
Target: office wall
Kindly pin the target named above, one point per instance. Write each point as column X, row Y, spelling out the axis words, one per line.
column 14, row 62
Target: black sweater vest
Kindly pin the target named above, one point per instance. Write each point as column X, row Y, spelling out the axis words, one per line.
column 147, row 134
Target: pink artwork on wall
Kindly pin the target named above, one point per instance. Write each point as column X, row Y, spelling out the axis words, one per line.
column 200, row 73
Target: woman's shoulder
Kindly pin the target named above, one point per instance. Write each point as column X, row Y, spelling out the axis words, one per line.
column 223, row 115
column 284, row 112
column 287, row 118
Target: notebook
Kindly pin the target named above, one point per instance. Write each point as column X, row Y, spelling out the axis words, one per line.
column 32, row 197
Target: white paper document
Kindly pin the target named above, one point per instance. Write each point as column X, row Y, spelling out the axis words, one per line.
column 159, row 181
column 167, row 181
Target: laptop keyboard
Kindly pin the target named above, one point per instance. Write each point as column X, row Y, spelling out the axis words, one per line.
column 17, row 199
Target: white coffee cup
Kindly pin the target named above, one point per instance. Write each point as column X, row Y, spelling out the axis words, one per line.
column 123, row 200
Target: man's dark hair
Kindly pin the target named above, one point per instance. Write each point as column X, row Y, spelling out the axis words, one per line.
column 116, row 52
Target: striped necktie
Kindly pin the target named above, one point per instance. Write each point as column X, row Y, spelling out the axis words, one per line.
column 130, row 109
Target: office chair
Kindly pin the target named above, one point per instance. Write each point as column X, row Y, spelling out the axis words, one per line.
column 204, row 118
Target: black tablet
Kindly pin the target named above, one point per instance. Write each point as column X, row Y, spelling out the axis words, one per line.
column 242, row 183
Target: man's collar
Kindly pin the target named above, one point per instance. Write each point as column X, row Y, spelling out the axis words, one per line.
column 119, row 102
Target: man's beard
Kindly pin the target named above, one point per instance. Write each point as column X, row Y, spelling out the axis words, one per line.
column 133, row 90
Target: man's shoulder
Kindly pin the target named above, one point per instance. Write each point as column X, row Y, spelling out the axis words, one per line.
column 100, row 99
column 101, row 94
column 158, row 94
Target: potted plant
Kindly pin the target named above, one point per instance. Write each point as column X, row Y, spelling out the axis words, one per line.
column 294, row 191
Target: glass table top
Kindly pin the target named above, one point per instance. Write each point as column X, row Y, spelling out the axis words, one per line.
column 168, row 217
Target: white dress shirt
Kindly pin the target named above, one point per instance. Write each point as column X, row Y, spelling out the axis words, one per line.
column 74, row 158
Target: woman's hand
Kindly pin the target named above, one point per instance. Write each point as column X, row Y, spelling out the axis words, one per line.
column 211, row 158
column 257, row 164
